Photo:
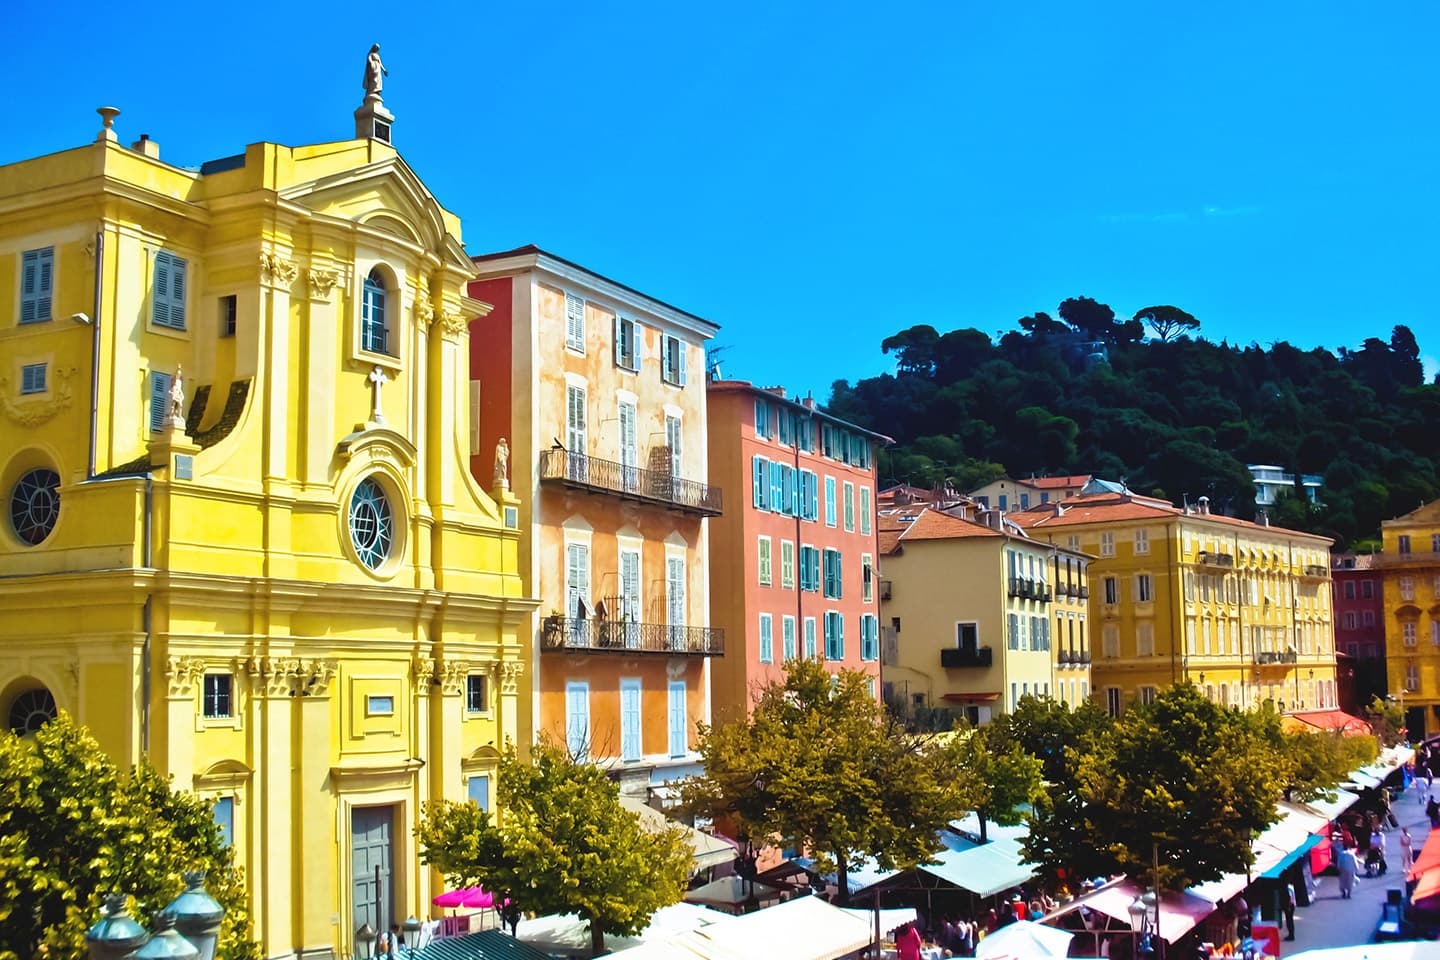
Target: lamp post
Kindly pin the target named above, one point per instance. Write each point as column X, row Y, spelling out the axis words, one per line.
column 411, row 926
column 115, row 934
column 365, row 940
column 747, row 859
column 197, row 915
column 1138, row 921
column 166, row 943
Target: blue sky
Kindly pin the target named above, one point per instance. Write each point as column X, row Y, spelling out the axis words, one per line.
column 815, row 178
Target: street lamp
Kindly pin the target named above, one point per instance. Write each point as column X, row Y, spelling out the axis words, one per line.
column 747, row 859
column 197, row 915
column 365, row 939
column 115, row 934
column 1138, row 912
column 411, row 926
column 166, row 943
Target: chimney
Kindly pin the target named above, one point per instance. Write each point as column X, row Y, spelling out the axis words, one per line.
column 1203, row 506
column 809, row 402
column 994, row 519
column 146, row 146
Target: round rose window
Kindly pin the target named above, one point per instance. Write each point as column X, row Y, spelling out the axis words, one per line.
column 372, row 523
column 35, row 505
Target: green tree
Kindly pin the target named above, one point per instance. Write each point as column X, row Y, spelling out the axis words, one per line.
column 1167, row 321
column 563, row 845
column 1387, row 719
column 1187, row 778
column 74, row 827
column 817, row 766
column 998, row 777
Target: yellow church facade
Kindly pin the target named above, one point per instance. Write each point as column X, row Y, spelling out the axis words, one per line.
column 1410, row 567
column 241, row 537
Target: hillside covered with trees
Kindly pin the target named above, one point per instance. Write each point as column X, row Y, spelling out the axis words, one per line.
column 1171, row 414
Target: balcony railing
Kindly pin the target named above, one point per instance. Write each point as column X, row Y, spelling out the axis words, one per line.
column 1084, row 592
column 1074, row 657
column 1275, row 656
column 1405, row 559
column 956, row 657
column 606, row 476
column 617, row 636
column 1025, row 588
column 1211, row 558
column 1316, row 571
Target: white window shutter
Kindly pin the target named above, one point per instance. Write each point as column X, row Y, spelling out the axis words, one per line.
column 619, row 345
column 680, row 358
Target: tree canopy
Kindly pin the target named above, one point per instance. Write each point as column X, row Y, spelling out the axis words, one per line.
column 564, row 844
column 74, row 826
column 1176, row 415
column 817, row 766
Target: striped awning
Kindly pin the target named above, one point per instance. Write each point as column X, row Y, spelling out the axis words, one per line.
column 485, row 945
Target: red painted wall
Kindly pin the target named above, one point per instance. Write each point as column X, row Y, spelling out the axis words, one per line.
column 490, row 363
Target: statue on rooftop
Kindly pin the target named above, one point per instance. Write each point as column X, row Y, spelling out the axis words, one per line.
column 375, row 73
column 177, row 400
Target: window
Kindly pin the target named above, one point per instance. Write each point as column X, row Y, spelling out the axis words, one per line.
column 1073, row 542
column 475, row 694
column 1367, row 589
column 679, row 720
column 809, row 495
column 379, row 705
column 675, row 440
column 32, row 378
column 1145, row 639
column 372, row 523
column 477, row 789
column 810, row 638
column 867, row 578
column 764, row 561
column 374, row 331
column 577, row 580
column 1004, row 502
column 767, row 638
column 577, row 719
column 865, row 511
column 675, row 599
column 630, row 720
column 37, row 281
column 1435, row 543
column 1024, row 501
column 224, row 813
column 1142, row 542
column 1407, row 632
column 1435, row 633
column 787, row 634
column 1143, row 592
column 785, row 420
column 787, row 565
column 1368, row 618
column 229, row 309
column 1349, row 589
column 1107, row 544
column 629, row 448
column 834, row 636
column 809, row 569
column 216, row 696
column 829, row 501
column 777, row 487
column 1407, row 588
column 627, row 344
column 1412, row 677
column 762, row 418
column 1404, row 543
column 1147, row 694
column 1112, row 590
column 574, row 323
column 760, row 483
column 967, row 636
column 833, row 577
column 869, row 637
column 35, row 505
column 672, row 361
column 1111, row 640
column 1112, row 701
column 849, row 507
column 1349, row 620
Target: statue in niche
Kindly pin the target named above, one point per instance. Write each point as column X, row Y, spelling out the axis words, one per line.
column 375, row 73
column 502, row 463
column 177, row 400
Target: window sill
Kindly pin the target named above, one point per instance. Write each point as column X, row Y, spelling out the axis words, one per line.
column 370, row 358
column 174, row 333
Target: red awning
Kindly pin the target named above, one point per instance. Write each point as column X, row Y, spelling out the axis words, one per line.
column 1424, row 871
column 1333, row 720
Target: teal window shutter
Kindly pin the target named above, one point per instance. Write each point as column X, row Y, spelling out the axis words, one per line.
column 757, row 482
column 168, row 292
column 159, row 400
column 37, row 277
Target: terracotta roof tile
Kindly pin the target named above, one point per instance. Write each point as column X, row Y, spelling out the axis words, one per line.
column 1053, row 483
column 933, row 525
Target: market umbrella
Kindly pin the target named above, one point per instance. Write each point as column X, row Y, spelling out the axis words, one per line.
column 731, row 891
column 1024, row 938
column 473, row 897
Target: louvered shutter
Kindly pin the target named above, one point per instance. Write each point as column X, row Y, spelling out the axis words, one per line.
column 757, row 482
column 619, row 341
column 159, row 400
column 177, row 292
column 29, row 285
column 160, row 294
column 629, row 720
column 679, row 720
column 574, row 322
column 680, row 358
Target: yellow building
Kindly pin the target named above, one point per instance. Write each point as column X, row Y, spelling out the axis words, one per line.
column 1240, row 609
column 979, row 614
column 1410, row 566
column 272, row 575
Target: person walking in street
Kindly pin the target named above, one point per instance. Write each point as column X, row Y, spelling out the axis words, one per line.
column 1287, row 906
column 1377, row 843
column 1407, row 849
column 907, row 945
column 1346, row 867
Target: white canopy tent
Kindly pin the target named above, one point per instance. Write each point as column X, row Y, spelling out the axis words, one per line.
column 807, row 928
column 1025, row 938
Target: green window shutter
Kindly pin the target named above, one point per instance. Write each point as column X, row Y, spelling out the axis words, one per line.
column 177, row 292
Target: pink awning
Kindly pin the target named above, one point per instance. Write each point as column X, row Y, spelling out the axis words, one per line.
column 473, row 897
column 1179, row 912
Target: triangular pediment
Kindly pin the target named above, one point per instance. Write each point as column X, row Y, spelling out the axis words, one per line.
column 386, row 196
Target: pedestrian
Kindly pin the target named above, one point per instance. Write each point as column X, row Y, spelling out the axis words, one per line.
column 510, row 915
column 1346, row 868
column 1386, row 814
column 1432, row 810
column 1407, row 849
column 1377, row 843
column 1287, row 906
column 385, row 943
column 907, row 945
column 1242, row 917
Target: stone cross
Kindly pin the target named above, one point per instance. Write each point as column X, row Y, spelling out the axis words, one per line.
column 377, row 381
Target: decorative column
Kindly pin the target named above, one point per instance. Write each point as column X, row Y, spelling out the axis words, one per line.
column 446, row 734
column 507, row 717
column 277, row 275
column 314, row 807
column 273, row 681
column 321, row 334
column 183, row 676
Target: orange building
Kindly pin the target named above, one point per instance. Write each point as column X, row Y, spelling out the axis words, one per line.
column 794, row 557
column 600, row 392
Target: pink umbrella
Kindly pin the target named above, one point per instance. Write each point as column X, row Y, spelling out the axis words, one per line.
column 473, row 897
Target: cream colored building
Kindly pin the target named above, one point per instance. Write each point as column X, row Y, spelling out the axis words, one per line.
column 978, row 614
column 1240, row 609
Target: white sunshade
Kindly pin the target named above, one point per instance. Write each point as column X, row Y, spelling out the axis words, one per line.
column 709, row 851
column 1025, row 939
column 731, row 891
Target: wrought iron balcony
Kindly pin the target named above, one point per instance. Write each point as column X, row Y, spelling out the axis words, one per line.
column 1316, row 571
column 1211, row 558
column 583, row 472
column 1275, row 656
column 618, row 636
column 1084, row 592
column 1076, row 658
column 956, row 657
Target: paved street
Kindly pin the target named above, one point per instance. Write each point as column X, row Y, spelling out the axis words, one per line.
column 1332, row 922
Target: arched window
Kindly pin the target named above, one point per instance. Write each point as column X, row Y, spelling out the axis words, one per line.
column 374, row 335
column 31, row 710
column 35, row 505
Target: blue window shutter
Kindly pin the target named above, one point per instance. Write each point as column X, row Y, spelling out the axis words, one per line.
column 29, row 284
column 757, row 484
column 159, row 400
column 160, row 296
column 177, row 293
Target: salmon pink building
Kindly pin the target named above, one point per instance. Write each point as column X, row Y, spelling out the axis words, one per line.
column 599, row 393
column 793, row 560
